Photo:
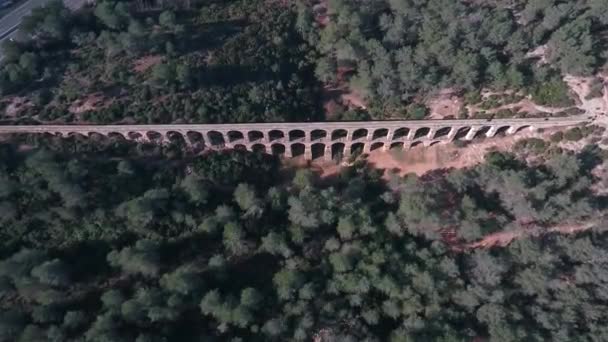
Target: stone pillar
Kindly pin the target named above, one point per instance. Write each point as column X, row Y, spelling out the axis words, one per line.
column 471, row 134
column 349, row 135
column 288, row 153
column 452, row 133
column 307, row 152
column 307, row 138
column 411, row 134
column 492, row 131
column 431, row 134
column 391, row 135
column 347, row 151
column 327, row 153
column 370, row 135
column 367, row 148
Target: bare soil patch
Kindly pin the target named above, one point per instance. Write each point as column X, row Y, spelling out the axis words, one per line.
column 447, row 104
column 503, row 239
column 89, row 103
column 144, row 63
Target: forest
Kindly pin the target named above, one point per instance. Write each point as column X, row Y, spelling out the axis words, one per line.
column 397, row 51
column 128, row 242
column 135, row 61
column 207, row 61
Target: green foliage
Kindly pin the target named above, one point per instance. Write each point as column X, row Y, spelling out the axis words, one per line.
column 395, row 262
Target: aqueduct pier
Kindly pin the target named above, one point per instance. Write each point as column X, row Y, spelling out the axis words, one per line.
column 311, row 139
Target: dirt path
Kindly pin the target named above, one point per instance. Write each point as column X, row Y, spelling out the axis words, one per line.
column 503, row 239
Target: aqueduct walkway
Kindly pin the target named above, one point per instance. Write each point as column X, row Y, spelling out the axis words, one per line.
column 310, row 139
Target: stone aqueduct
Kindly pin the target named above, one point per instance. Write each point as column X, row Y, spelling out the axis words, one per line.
column 310, row 139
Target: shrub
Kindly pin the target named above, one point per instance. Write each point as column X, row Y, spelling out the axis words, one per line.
column 573, row 134
column 557, row 137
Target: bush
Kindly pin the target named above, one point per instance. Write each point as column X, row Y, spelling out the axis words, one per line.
column 557, row 137
column 573, row 134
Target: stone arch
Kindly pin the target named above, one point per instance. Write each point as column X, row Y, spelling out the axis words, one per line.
column 401, row 133
column 195, row 137
column 422, row 132
column 360, row 133
column 297, row 149
column 116, row 136
column 502, row 131
column 416, row 144
column 380, row 133
column 481, row 134
column 275, row 135
column 254, row 136
column 519, row 129
column 397, row 145
column 154, row 136
column 338, row 134
column 277, row 149
column 96, row 136
column 462, row 132
column 296, row 135
column 442, row 132
column 337, row 150
column 376, row 146
column 240, row 147
column 318, row 134
column 133, row 135
column 78, row 135
column 175, row 137
column 434, row 143
column 357, row 148
column 317, row 150
column 234, row 136
column 215, row 138
column 259, row 148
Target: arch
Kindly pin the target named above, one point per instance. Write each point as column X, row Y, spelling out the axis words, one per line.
column 297, row 149
column 442, row 132
column 361, row 133
column 376, row 145
column 317, row 150
column 240, row 147
column 519, row 129
column 462, row 132
column 215, row 138
column 296, row 134
column 235, row 136
column 259, row 148
column 357, row 148
column 254, row 136
column 337, row 151
column 401, row 133
column 380, row 133
column 275, row 135
column 176, row 137
column 481, row 134
column 96, row 136
column 338, row 134
column 434, row 143
column 194, row 137
column 397, row 145
column 318, row 134
column 416, row 144
column 277, row 149
column 133, row 135
column 502, row 131
column 116, row 136
column 154, row 136
column 78, row 135
column 421, row 132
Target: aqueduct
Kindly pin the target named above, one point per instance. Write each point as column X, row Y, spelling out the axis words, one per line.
column 309, row 139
